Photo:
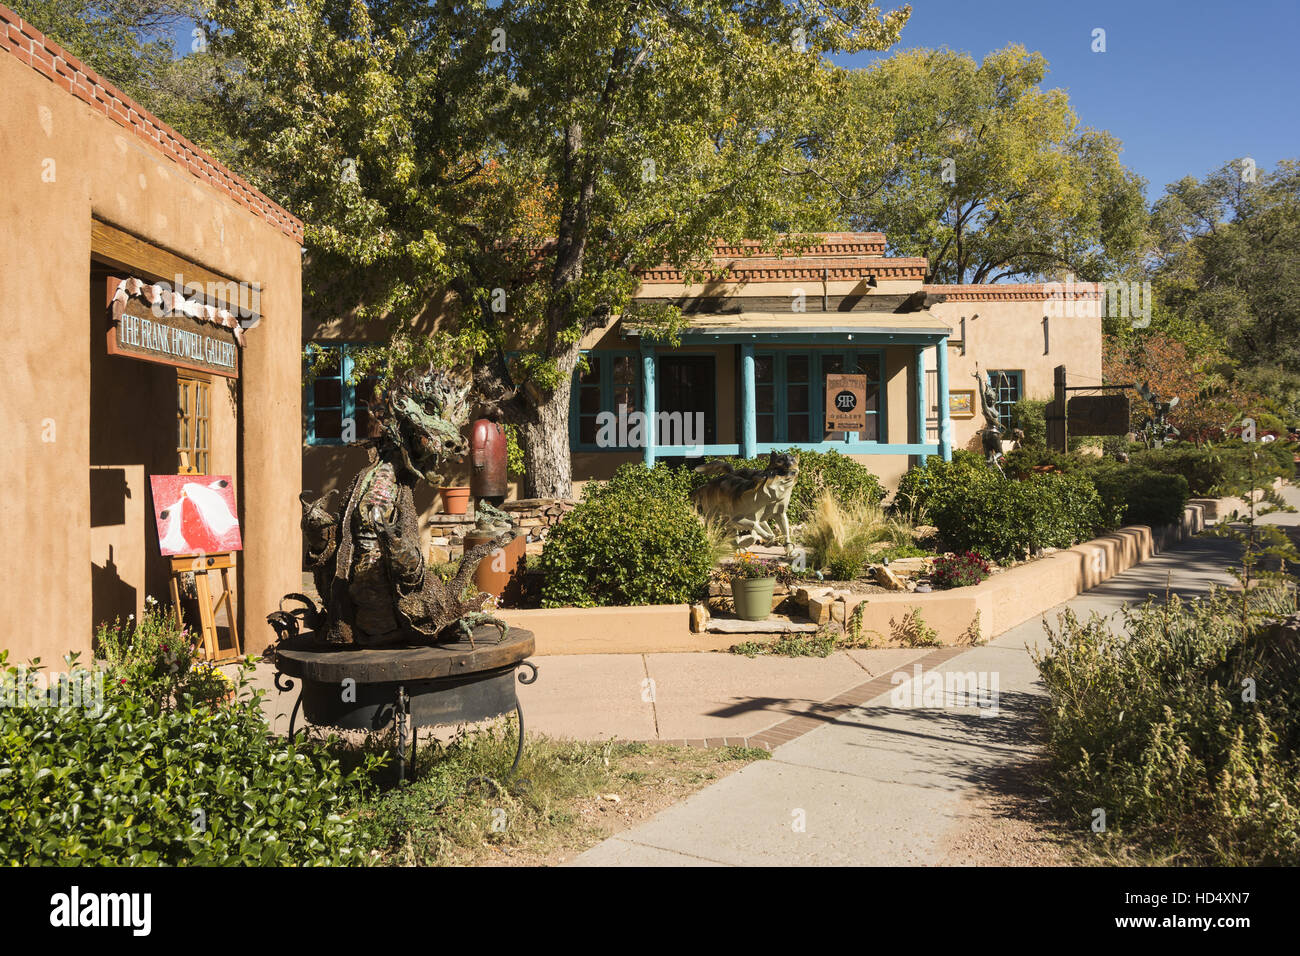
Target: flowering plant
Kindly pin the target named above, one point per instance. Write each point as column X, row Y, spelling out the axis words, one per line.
column 959, row 570
column 149, row 657
column 748, row 567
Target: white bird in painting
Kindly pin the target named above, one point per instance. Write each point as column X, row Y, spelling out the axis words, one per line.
column 212, row 508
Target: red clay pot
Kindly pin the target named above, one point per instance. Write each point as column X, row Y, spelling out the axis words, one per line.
column 455, row 501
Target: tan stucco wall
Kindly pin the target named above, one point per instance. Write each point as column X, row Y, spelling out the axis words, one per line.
column 52, row 329
column 1009, row 335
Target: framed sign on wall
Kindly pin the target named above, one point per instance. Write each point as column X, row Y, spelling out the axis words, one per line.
column 961, row 403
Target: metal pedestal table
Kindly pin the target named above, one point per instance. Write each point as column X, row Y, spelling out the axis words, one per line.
column 369, row 689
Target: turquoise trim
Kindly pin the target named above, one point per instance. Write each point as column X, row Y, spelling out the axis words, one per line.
column 817, row 395
column 748, row 402
column 920, row 397
column 604, row 364
column 347, row 393
column 850, row 448
column 945, row 421
column 648, row 400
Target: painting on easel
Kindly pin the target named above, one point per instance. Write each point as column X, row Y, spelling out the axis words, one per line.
column 195, row 514
column 198, row 529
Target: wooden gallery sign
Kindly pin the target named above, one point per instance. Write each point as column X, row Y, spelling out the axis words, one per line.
column 1097, row 415
column 846, row 403
column 143, row 331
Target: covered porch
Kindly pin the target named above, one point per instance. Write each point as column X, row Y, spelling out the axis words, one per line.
column 777, row 373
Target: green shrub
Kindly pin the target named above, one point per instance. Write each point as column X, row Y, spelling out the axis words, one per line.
column 634, row 540
column 1006, row 519
column 134, row 783
column 1030, row 416
column 1133, row 494
column 924, row 484
column 1149, row 721
column 1223, row 469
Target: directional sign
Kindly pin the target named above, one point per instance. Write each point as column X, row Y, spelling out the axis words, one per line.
column 846, row 403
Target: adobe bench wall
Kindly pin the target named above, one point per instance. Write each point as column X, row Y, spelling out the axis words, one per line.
column 1002, row 601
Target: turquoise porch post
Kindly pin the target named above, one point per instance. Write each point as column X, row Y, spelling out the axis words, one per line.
column 748, row 403
column 920, row 399
column 648, row 400
column 945, row 423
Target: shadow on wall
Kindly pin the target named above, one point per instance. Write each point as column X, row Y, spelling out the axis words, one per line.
column 112, row 597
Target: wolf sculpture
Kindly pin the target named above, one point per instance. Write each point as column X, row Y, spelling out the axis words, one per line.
column 754, row 502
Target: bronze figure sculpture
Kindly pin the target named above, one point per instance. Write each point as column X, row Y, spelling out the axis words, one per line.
column 366, row 560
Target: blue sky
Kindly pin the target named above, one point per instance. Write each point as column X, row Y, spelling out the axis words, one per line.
column 1184, row 86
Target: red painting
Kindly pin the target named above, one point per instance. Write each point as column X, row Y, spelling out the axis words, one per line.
column 195, row 514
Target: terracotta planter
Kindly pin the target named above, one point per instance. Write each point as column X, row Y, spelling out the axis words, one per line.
column 455, row 501
column 753, row 597
column 500, row 573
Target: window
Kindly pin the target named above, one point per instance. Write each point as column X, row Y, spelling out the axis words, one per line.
column 335, row 404
column 1007, row 385
column 193, row 425
column 790, row 395
column 612, row 380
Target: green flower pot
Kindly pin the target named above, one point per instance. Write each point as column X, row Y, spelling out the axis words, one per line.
column 753, row 597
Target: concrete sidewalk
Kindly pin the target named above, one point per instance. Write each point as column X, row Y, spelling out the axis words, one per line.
column 884, row 785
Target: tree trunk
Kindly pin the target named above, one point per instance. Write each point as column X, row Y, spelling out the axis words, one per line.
column 548, row 471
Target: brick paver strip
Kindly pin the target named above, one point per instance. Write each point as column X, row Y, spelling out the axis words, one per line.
column 827, row 711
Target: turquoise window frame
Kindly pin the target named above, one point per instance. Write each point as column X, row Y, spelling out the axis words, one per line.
column 817, row 395
column 347, row 391
column 1004, row 407
column 606, row 359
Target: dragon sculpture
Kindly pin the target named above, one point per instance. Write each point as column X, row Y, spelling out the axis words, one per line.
column 366, row 560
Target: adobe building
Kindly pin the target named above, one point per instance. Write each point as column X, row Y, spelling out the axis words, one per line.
column 753, row 364
column 151, row 304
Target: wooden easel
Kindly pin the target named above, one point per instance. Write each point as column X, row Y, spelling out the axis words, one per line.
column 201, row 565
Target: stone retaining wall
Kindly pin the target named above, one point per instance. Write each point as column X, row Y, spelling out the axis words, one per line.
column 535, row 516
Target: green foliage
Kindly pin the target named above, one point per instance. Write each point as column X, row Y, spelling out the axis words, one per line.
column 841, row 537
column 514, row 453
column 1007, row 519
column 1133, row 494
column 1029, row 189
column 1222, row 469
column 913, row 631
column 139, row 784
column 1151, row 722
column 1030, row 416
column 936, row 480
column 597, row 139
column 633, row 540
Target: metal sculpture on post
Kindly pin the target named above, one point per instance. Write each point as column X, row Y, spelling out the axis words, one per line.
column 991, row 433
column 387, row 627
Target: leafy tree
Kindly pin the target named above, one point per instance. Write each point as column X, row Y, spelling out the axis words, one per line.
column 977, row 168
column 131, row 44
column 1226, row 254
column 530, row 157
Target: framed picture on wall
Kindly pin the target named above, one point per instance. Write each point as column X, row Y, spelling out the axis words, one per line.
column 961, row 403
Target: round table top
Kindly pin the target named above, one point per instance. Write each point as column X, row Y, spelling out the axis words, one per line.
column 307, row 658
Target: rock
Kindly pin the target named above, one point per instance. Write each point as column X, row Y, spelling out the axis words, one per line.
column 699, row 618
column 726, row 625
column 886, row 578
column 439, row 554
column 819, row 607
